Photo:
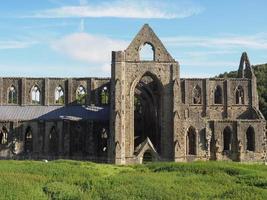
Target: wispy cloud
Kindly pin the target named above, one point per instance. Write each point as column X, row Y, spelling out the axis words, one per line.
column 148, row 9
column 15, row 44
column 257, row 41
column 88, row 48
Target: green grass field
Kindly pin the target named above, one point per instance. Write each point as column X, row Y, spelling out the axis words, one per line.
column 84, row 180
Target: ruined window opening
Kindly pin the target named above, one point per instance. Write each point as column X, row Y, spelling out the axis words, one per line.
column 53, row 140
column 147, row 52
column 81, row 95
column 227, row 139
column 104, row 140
column 28, row 140
column 250, row 136
column 59, row 95
column 218, row 95
column 12, row 95
column 239, row 95
column 191, row 141
column 197, row 95
column 104, row 96
column 36, row 95
column 4, row 135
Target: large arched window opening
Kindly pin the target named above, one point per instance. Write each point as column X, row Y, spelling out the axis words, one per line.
column 59, row 95
column 104, row 96
column 12, row 95
column 147, row 111
column 53, row 141
column 102, row 143
column 4, row 135
column 81, row 95
column 218, row 95
column 36, row 95
column 250, row 139
column 78, row 139
column 239, row 95
column 147, row 52
column 191, row 141
column 196, row 95
column 28, row 143
column 227, row 139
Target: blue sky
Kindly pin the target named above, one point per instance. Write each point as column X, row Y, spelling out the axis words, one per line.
column 74, row 38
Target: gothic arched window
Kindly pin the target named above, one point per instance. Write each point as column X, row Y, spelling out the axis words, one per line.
column 81, row 95
column 239, row 95
column 59, row 95
column 250, row 136
column 227, row 139
column 104, row 96
column 147, row 52
column 191, row 141
column 197, row 95
column 28, row 143
column 218, row 95
column 4, row 135
column 36, row 95
column 12, row 95
column 53, row 140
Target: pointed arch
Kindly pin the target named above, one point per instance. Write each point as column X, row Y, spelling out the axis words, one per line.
column 227, row 138
column 59, row 95
column 191, row 141
column 197, row 95
column 81, row 95
column 104, row 96
column 239, row 95
column 4, row 135
column 250, row 139
column 35, row 95
column 147, row 52
column 28, row 140
column 53, row 140
column 12, row 95
column 218, row 97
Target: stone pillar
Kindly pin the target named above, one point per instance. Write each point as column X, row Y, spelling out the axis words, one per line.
column 23, row 94
column 41, row 136
column 46, row 143
column 88, row 92
column 228, row 99
column 69, row 89
column 207, row 97
column 59, row 128
column 46, row 89
column 90, row 143
column 186, row 92
column 66, row 138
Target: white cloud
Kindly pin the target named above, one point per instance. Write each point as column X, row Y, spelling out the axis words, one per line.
column 88, row 48
column 124, row 9
column 257, row 41
column 15, row 44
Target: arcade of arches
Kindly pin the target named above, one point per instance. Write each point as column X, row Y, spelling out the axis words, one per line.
column 144, row 112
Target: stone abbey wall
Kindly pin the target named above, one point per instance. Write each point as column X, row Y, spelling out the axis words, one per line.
column 144, row 112
column 48, row 86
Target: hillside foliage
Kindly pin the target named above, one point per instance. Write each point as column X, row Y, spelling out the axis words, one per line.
column 261, row 74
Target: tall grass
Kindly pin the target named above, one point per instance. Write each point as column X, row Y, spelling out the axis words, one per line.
column 65, row 179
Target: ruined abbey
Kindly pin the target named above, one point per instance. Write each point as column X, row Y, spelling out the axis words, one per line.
column 144, row 112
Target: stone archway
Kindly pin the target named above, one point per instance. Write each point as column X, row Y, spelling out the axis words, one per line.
column 147, row 111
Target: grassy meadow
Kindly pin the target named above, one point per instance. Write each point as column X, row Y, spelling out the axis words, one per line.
column 64, row 179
